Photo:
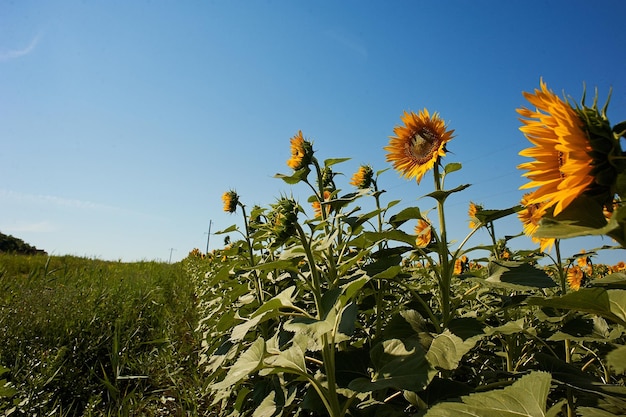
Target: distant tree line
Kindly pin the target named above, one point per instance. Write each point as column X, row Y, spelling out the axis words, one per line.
column 11, row 244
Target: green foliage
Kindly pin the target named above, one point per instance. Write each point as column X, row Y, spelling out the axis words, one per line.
column 88, row 337
column 348, row 315
column 526, row 397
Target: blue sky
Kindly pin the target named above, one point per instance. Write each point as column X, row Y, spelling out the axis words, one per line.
column 122, row 123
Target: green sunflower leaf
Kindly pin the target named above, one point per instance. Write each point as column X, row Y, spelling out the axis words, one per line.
column 616, row 359
column 487, row 216
column 409, row 213
column 610, row 304
column 620, row 129
column 526, row 397
column 283, row 300
column 620, row 185
column 584, row 216
column 441, row 196
column 447, row 350
column 400, row 365
column 616, row 280
column 593, row 412
column 452, row 167
column 248, row 363
column 296, row 177
column 332, row 161
column 517, row 276
column 373, row 237
column 267, row 408
column 227, row 230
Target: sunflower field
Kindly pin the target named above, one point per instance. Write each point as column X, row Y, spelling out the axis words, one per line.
column 352, row 312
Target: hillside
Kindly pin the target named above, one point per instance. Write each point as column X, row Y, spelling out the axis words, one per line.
column 11, row 244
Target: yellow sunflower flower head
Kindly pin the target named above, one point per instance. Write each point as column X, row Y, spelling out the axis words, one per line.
column 606, row 151
column 195, row 253
column 471, row 212
column 362, row 179
column 531, row 216
column 575, row 276
column 301, row 152
column 317, row 206
column 230, row 199
column 461, row 265
column 619, row 267
column 423, row 230
column 584, row 262
column 418, row 144
column 570, row 152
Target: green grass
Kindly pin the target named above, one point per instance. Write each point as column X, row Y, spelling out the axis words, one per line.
column 94, row 338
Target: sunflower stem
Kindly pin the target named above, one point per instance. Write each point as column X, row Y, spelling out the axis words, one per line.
column 423, row 303
column 257, row 281
column 332, row 267
column 328, row 351
column 444, row 260
column 568, row 354
column 381, row 284
column 315, row 275
column 559, row 266
column 571, row 408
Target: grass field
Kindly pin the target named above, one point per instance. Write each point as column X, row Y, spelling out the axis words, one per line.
column 84, row 337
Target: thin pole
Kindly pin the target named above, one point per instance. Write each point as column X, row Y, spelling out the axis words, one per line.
column 171, row 250
column 208, row 237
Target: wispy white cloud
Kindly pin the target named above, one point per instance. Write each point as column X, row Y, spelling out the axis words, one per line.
column 348, row 41
column 47, row 201
column 33, row 227
column 9, row 54
column 14, row 196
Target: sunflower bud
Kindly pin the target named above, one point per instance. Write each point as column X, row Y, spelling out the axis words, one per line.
column 283, row 219
column 256, row 219
column 301, row 152
column 230, row 199
column 362, row 179
column 327, row 178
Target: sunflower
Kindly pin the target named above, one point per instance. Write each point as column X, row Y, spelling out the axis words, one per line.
column 418, row 144
column 471, row 212
column 317, row 206
column 575, row 277
column 230, row 199
column 531, row 216
column 563, row 166
column 301, row 152
column 584, row 262
column 608, row 209
column 461, row 265
column 619, row 267
column 362, row 179
column 423, row 231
